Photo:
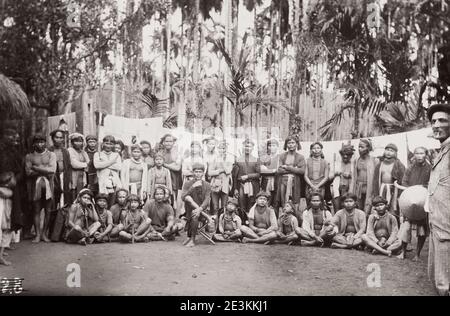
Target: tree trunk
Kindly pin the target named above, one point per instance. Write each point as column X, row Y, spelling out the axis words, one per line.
column 167, row 66
column 235, row 13
column 181, row 117
column 196, row 41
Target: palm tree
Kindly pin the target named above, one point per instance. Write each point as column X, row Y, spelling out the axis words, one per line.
column 240, row 92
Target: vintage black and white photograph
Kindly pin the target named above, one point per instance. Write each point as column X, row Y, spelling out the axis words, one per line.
column 218, row 148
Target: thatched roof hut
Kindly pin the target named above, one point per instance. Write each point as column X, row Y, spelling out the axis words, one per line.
column 14, row 103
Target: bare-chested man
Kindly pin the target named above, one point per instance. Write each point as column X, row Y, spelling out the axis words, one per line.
column 172, row 161
column 362, row 180
column 63, row 173
column 263, row 223
column 229, row 223
column 162, row 215
column 350, row 223
column 341, row 174
column 389, row 170
column 40, row 168
column 382, row 229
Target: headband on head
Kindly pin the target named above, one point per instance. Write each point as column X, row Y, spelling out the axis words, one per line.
column 367, row 142
column 76, row 136
column 91, row 137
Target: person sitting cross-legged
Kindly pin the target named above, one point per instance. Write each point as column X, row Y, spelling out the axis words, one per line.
column 288, row 230
column 263, row 224
column 83, row 219
column 118, row 210
column 136, row 225
column 382, row 229
column 161, row 213
column 350, row 223
column 317, row 223
column 105, row 219
column 229, row 223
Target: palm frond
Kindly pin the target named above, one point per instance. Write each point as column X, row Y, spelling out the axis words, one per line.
column 329, row 127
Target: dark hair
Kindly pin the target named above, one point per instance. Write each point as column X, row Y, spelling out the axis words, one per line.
column 367, row 142
column 118, row 141
column 101, row 196
column 312, row 146
column 117, row 193
column 313, row 194
column 295, row 139
column 135, row 146
column 270, row 142
column 53, row 133
column 73, row 140
column 350, row 195
column 427, row 152
column 163, row 139
column 109, row 138
column 159, row 155
column 146, row 142
column 133, row 197
column 316, row 194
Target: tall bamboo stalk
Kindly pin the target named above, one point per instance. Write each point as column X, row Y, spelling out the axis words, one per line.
column 168, row 59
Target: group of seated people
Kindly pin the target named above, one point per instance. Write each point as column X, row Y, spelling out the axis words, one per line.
column 130, row 221
column 91, row 193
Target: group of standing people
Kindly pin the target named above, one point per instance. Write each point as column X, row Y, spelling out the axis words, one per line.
column 107, row 192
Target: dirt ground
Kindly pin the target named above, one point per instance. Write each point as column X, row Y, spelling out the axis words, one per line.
column 168, row 268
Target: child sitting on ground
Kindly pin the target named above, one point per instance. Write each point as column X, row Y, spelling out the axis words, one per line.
column 105, row 219
column 136, row 225
column 118, row 210
column 288, row 225
column 229, row 223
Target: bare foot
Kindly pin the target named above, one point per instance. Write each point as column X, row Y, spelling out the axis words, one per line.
column 82, row 242
column 339, row 246
column 36, row 240
column 245, row 240
column 416, row 258
column 45, row 239
column 389, row 254
column 4, row 262
column 190, row 244
column 401, row 256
